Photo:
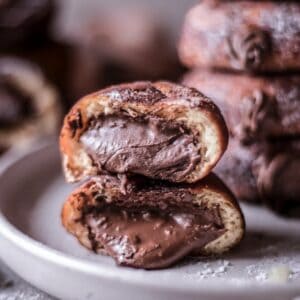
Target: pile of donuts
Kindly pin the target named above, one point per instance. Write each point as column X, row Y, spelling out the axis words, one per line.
column 146, row 151
column 245, row 56
column 42, row 53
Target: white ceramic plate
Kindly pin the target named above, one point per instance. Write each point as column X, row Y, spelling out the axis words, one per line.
column 34, row 244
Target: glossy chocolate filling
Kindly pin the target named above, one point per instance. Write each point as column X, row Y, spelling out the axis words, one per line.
column 154, row 236
column 14, row 105
column 149, row 146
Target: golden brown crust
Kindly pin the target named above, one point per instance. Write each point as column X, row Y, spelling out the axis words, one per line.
column 253, row 106
column 205, row 193
column 247, row 35
column 165, row 100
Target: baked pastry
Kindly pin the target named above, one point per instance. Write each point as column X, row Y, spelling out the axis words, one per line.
column 260, row 36
column 84, row 60
column 277, row 173
column 29, row 105
column 131, row 44
column 25, row 33
column 160, row 130
column 254, row 107
column 265, row 172
column 135, row 55
column 151, row 224
column 57, row 61
column 24, row 22
column 236, row 169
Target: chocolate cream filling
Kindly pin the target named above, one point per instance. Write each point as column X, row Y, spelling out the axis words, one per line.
column 151, row 237
column 14, row 105
column 149, row 146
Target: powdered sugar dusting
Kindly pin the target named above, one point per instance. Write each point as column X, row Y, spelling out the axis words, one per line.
column 269, row 253
column 210, row 269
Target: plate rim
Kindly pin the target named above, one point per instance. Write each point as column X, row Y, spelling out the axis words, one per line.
column 39, row 250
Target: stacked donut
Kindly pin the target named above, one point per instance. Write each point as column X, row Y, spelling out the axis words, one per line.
column 26, row 32
column 245, row 56
column 29, row 104
column 32, row 73
column 146, row 151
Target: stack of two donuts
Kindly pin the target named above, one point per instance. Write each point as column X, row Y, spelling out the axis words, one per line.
column 245, row 56
column 146, row 151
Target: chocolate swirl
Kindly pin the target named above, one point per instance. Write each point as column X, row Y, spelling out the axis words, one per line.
column 248, row 47
column 277, row 182
column 14, row 104
column 257, row 111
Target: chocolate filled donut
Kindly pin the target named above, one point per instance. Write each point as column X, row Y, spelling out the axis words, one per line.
column 15, row 106
column 159, row 130
column 150, row 224
column 29, row 106
column 254, row 107
column 24, row 22
column 57, row 61
column 125, row 45
column 264, row 173
column 253, row 36
column 236, row 169
column 277, row 173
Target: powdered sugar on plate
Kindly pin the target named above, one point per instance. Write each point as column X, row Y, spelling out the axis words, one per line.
column 270, row 252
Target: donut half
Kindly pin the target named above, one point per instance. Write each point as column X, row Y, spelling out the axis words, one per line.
column 159, row 130
column 152, row 224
